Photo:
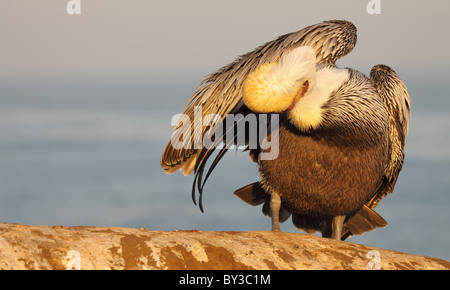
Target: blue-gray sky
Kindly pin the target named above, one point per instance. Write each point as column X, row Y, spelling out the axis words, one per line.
column 118, row 36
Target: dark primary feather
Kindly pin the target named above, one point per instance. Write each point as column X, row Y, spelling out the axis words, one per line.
column 221, row 92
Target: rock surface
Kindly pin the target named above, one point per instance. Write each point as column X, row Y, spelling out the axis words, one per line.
column 45, row 247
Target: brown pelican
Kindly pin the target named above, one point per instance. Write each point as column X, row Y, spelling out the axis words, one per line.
column 341, row 134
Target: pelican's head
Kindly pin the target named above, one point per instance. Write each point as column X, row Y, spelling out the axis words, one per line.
column 276, row 87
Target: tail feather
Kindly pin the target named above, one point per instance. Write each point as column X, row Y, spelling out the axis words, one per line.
column 365, row 220
column 252, row 194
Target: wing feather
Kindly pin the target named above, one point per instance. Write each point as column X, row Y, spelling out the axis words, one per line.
column 397, row 101
column 220, row 93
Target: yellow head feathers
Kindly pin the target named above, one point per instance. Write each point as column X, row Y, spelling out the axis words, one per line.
column 272, row 87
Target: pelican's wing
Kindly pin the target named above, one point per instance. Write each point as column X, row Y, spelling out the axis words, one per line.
column 397, row 101
column 221, row 92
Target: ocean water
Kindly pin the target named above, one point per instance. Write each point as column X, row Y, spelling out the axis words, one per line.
column 86, row 151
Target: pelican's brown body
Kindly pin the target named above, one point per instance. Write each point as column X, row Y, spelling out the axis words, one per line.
column 324, row 174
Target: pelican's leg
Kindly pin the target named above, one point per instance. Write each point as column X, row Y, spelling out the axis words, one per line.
column 275, row 205
column 336, row 227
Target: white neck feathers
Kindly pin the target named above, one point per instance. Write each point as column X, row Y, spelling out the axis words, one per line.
column 307, row 113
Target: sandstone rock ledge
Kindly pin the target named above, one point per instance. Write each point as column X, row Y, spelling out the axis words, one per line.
column 45, row 247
